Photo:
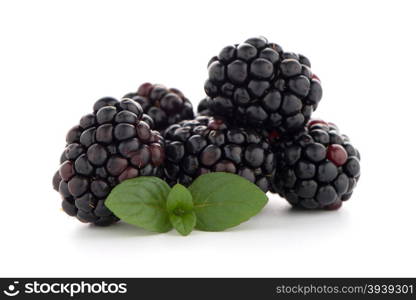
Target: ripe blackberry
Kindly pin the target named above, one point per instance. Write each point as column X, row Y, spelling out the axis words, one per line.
column 165, row 106
column 110, row 145
column 257, row 84
column 206, row 145
column 316, row 168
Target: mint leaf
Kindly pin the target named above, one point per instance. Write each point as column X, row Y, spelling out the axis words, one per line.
column 179, row 198
column 224, row 200
column 183, row 224
column 141, row 201
column 180, row 209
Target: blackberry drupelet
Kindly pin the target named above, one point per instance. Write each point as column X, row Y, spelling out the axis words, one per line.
column 203, row 107
column 204, row 145
column 257, row 84
column 316, row 168
column 112, row 144
column 165, row 106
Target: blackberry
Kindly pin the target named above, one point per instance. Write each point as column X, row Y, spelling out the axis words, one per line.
column 112, row 144
column 317, row 167
column 165, row 106
column 204, row 145
column 257, row 84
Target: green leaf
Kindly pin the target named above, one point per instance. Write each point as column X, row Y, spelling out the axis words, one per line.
column 141, row 201
column 180, row 209
column 183, row 224
column 224, row 200
column 179, row 198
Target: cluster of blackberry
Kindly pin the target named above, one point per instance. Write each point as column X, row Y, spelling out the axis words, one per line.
column 258, row 86
column 255, row 121
column 316, row 167
column 165, row 106
column 112, row 144
column 203, row 145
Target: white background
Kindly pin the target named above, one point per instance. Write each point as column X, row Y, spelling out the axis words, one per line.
column 58, row 57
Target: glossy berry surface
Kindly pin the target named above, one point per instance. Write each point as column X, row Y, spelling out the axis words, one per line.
column 316, row 168
column 204, row 145
column 257, row 84
column 112, row 144
column 165, row 106
column 203, row 107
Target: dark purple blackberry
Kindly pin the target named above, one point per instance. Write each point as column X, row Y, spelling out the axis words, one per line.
column 112, row 144
column 257, row 84
column 165, row 106
column 204, row 145
column 316, row 168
